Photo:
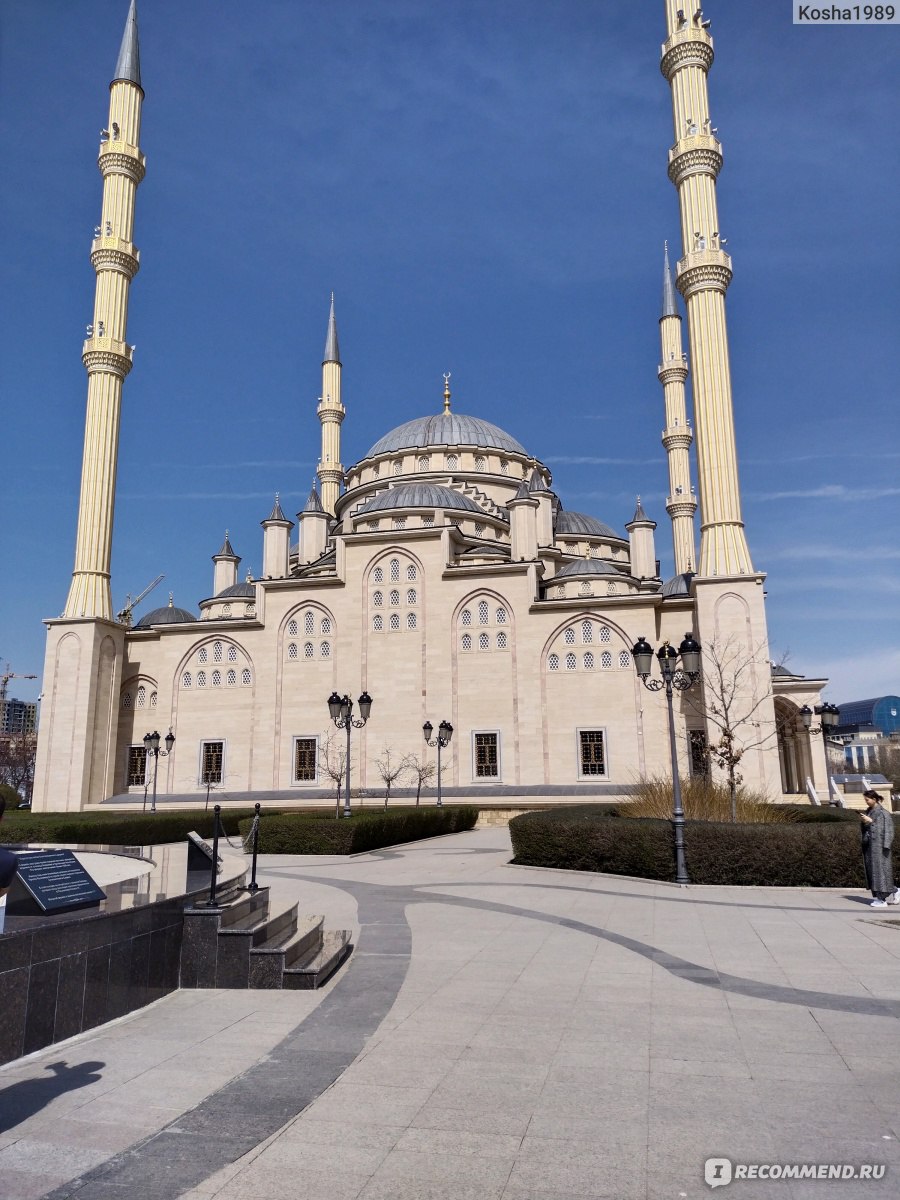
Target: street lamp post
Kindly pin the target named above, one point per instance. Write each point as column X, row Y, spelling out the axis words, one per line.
column 340, row 709
column 151, row 745
column 673, row 678
column 445, row 733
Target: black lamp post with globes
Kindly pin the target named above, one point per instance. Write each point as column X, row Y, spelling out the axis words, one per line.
column 151, row 746
column 340, row 709
column 445, row 733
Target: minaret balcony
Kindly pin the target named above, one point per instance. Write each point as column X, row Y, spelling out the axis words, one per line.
column 681, row 506
column 677, row 437
column 688, row 47
column 107, row 354
column 115, row 254
column 703, row 270
column 675, row 371
column 696, row 154
column 121, row 158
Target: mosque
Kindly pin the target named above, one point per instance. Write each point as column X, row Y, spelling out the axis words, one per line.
column 441, row 573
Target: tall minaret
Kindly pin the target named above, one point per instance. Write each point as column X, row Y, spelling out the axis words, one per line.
column 676, row 436
column 704, row 274
column 106, row 354
column 331, row 414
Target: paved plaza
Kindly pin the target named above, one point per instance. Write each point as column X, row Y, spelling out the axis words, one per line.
column 498, row 1032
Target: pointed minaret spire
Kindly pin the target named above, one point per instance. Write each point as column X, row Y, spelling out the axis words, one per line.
column 128, row 64
column 331, row 414
column 669, row 305
column 446, row 391
column 332, row 349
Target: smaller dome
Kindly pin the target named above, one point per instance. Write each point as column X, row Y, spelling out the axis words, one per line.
column 493, row 551
column 242, row 591
column 420, row 495
column 678, row 585
column 446, row 429
column 577, row 522
column 169, row 615
column 586, row 566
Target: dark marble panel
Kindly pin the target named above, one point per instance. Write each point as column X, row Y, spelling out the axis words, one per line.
column 233, row 961
column 96, row 985
column 119, row 973
column 40, row 1017
column 13, row 1006
column 70, row 996
column 139, row 972
column 47, row 942
column 266, row 971
column 15, row 951
column 198, row 950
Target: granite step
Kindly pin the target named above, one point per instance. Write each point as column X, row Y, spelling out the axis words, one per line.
column 283, row 949
column 245, row 907
column 321, row 964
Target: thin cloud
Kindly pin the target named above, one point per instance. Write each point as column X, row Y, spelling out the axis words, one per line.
column 205, row 495
column 829, row 491
column 804, row 553
column 588, row 460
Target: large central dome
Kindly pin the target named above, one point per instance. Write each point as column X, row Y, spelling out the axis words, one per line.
column 446, row 429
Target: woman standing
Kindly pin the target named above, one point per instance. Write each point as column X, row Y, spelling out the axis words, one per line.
column 877, row 827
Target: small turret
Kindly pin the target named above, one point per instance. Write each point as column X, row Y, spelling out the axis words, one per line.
column 276, row 542
column 643, row 551
column 313, row 521
column 226, row 566
column 523, row 514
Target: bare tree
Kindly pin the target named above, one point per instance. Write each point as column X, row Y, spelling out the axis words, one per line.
column 423, row 772
column 390, row 768
column 17, row 756
column 333, row 761
column 733, row 703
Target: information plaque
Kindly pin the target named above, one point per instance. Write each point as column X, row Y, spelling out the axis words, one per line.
column 200, row 854
column 51, row 881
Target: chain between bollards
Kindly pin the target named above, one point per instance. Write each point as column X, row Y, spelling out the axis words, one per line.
column 217, row 808
column 253, row 885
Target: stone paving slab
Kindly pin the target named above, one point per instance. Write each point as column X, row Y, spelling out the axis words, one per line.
column 498, row 1032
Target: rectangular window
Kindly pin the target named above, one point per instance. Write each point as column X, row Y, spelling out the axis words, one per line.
column 137, row 766
column 305, row 756
column 592, row 752
column 212, row 760
column 487, row 755
column 699, row 748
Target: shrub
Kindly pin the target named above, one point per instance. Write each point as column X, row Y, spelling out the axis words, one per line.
column 702, row 800
column 820, row 853
column 114, row 829
column 366, row 829
column 10, row 795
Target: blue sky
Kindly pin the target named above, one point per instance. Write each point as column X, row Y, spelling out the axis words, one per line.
column 483, row 186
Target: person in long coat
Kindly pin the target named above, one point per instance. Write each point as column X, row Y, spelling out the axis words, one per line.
column 877, row 827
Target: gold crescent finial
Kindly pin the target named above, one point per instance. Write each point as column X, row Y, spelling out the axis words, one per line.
column 446, row 391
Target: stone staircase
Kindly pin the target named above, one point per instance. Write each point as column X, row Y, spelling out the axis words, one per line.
column 245, row 942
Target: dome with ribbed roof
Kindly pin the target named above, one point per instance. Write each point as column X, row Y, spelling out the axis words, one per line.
column 678, row 585
column 446, row 429
column 578, row 522
column 240, row 591
column 420, row 495
column 586, row 566
column 168, row 615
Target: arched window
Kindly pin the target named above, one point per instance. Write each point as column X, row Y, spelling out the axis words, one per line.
column 378, row 575
column 484, row 642
column 201, row 657
column 570, row 662
column 467, row 641
column 480, row 463
column 452, row 462
column 293, row 629
column 611, row 589
column 231, row 678
column 376, row 470
column 395, row 621
column 395, row 569
column 585, row 588
column 217, row 651
column 411, row 571
column 126, row 698
column 410, row 620
column 395, row 597
column 428, row 521
column 479, row 529
column 606, row 660
column 466, row 616
column 292, row 650
column 501, row 616
column 232, row 654
column 589, row 661
column 309, row 622
column 185, row 681
column 307, row 649
column 326, row 625
column 201, row 679
column 377, row 623
column 326, row 650
column 595, row 551
column 410, row 595
column 501, row 640
column 397, row 467
column 587, row 631
column 560, row 591
column 246, row 678
column 153, row 699
column 624, row 659
column 504, row 467
column 399, row 523
column 424, row 462
column 377, row 599
column 482, row 612
column 553, row 662
column 250, row 610
column 570, row 637
column 141, row 696
column 372, row 524
column 226, row 610
column 217, row 678
column 605, row 634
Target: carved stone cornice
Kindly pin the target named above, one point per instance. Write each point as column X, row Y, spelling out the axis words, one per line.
column 677, row 439
column 119, row 158
column 672, row 372
column 681, row 506
column 106, row 354
column 689, row 48
column 116, row 256
column 702, row 271
column 695, row 155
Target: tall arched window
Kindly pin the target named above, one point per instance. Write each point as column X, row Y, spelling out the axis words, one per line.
column 201, row 679
column 553, row 662
column 484, row 642
column 589, row 661
column 452, row 462
column 326, row 650
column 482, row 612
column 570, row 662
column 217, row 678
column 501, row 640
column 410, row 620
column 141, row 696
column 395, row 597
column 466, row 616
column 231, row 678
column 232, row 654
column 377, row 599
column 246, row 678
column 377, row 623
column 397, row 467
column 378, row 575
column 126, row 698
column 326, row 625
column 605, row 634
column 606, row 660
column 466, row 641
column 501, row 616
column 480, row 462
column 201, row 656
column 587, row 631
column 309, row 622
column 217, row 651
column 395, row 621
column 624, row 658
column 185, row 680
column 292, row 650
column 411, row 571
column 410, row 595
column 395, row 570
column 424, row 462
column 570, row 637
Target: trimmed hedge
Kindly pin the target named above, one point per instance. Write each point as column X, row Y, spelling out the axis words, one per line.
column 366, row 829
column 114, row 829
column 818, row 853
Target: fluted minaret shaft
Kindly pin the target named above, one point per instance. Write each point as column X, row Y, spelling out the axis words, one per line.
column 677, row 435
column 704, row 274
column 106, row 355
column 331, row 414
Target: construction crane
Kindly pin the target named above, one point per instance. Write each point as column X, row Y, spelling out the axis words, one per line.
column 124, row 617
column 6, row 677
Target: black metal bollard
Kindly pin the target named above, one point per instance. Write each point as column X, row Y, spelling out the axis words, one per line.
column 254, row 886
column 213, row 880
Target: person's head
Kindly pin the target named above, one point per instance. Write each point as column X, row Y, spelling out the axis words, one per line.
column 871, row 798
